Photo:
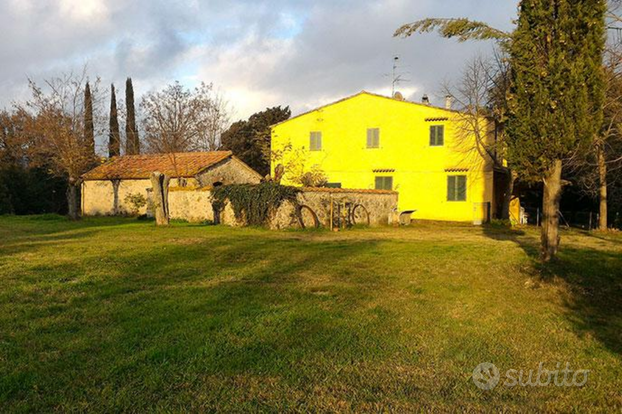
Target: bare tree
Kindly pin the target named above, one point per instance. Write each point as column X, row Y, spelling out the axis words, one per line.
column 217, row 121
column 479, row 96
column 177, row 119
column 57, row 130
column 600, row 167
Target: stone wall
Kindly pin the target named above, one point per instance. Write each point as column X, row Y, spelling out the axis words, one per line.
column 98, row 195
column 190, row 204
column 229, row 171
column 380, row 205
column 195, row 205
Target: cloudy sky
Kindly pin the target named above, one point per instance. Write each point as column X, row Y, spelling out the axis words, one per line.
column 301, row 53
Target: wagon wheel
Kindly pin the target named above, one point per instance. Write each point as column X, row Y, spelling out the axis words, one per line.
column 359, row 215
column 307, row 217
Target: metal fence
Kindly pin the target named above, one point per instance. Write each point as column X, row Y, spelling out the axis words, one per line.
column 586, row 220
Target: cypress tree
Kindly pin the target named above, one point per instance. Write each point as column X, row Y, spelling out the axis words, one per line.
column 556, row 95
column 132, row 145
column 89, row 129
column 114, row 140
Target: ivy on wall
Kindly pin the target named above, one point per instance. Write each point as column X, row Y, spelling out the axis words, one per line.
column 254, row 203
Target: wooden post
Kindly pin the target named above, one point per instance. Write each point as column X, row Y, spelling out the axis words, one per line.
column 330, row 195
column 159, row 182
column 590, row 223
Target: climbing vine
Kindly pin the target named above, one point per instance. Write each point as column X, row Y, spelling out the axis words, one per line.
column 254, row 203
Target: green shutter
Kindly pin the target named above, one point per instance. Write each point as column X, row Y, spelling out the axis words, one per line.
column 461, row 188
column 378, row 183
column 373, row 137
column 440, row 135
column 384, row 183
column 456, row 188
column 315, row 141
column 451, row 188
column 437, row 135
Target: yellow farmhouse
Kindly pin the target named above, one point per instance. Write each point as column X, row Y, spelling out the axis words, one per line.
column 369, row 141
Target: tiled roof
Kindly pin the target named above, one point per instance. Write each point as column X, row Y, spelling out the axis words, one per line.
column 180, row 164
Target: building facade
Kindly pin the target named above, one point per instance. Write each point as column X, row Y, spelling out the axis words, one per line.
column 106, row 189
column 369, row 141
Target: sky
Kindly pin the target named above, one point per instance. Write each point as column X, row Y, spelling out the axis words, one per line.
column 258, row 54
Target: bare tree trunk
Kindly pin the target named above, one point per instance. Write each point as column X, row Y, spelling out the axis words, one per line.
column 602, row 184
column 550, row 209
column 159, row 183
column 507, row 197
column 115, row 192
column 73, row 199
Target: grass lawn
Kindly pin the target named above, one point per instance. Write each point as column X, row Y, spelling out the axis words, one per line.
column 117, row 315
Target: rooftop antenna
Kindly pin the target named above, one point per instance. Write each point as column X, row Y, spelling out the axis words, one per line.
column 396, row 78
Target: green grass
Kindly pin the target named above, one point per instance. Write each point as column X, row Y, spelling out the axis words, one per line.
column 117, row 315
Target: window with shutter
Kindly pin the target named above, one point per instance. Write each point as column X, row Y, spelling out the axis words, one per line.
column 384, row 183
column 315, row 141
column 373, row 138
column 437, row 135
column 456, row 188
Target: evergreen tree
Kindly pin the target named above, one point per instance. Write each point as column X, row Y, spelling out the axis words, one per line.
column 250, row 140
column 132, row 145
column 89, row 129
column 114, row 140
column 556, row 95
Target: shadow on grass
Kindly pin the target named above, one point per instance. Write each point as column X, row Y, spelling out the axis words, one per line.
column 25, row 232
column 593, row 278
column 282, row 308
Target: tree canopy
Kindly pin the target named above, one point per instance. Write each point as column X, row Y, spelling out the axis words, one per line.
column 250, row 140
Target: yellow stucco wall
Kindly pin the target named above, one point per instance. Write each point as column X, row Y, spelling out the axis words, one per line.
column 420, row 170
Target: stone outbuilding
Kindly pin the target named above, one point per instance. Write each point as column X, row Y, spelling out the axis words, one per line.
column 109, row 188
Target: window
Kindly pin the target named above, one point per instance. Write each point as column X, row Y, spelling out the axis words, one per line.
column 315, row 141
column 333, row 185
column 456, row 188
column 384, row 183
column 437, row 135
column 373, row 137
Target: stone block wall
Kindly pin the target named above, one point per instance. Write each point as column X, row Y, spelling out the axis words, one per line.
column 229, row 171
column 98, row 196
column 195, row 205
column 380, row 205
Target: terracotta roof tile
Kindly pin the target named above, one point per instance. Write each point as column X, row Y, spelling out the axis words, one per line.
column 180, row 164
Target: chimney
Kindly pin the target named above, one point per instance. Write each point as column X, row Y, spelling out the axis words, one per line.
column 448, row 100
column 425, row 100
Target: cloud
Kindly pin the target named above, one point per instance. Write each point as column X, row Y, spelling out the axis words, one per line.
column 259, row 53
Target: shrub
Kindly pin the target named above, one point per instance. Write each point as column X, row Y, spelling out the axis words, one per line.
column 136, row 201
column 253, row 203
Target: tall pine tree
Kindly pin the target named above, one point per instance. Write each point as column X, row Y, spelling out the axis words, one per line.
column 114, row 137
column 556, row 95
column 132, row 145
column 89, row 129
